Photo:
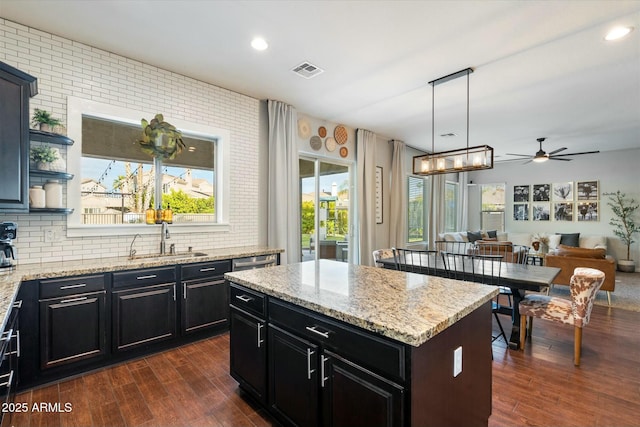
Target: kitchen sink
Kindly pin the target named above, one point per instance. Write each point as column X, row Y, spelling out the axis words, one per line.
column 169, row 256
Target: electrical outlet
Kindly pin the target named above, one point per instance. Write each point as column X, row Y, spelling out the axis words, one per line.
column 52, row 234
column 457, row 361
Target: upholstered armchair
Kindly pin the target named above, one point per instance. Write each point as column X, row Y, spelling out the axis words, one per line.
column 584, row 285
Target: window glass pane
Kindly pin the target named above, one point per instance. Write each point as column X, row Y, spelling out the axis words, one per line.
column 416, row 209
column 451, row 206
column 118, row 179
column 492, row 206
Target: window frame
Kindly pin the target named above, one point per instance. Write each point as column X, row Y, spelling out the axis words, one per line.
column 425, row 211
column 501, row 213
column 77, row 107
column 456, row 200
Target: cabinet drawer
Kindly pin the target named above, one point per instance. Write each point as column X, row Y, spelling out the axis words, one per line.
column 248, row 300
column 376, row 353
column 71, row 286
column 144, row 277
column 205, row 269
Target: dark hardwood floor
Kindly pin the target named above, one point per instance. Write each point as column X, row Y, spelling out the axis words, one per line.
column 190, row 386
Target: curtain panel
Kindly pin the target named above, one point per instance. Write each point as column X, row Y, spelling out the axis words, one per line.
column 398, row 199
column 283, row 222
column 366, row 179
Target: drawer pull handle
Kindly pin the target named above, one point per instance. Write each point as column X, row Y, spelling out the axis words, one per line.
column 208, row 269
column 322, row 377
column 309, row 370
column 184, row 291
column 150, row 276
column 315, row 331
column 79, row 285
column 244, row 298
column 9, row 381
column 66, row 301
column 260, row 340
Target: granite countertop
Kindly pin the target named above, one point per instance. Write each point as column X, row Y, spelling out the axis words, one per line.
column 10, row 279
column 410, row 308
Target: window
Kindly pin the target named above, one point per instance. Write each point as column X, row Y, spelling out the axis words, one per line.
column 492, row 206
column 116, row 182
column 416, row 209
column 451, row 206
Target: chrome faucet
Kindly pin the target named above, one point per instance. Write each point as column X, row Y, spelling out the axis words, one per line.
column 164, row 235
column 132, row 252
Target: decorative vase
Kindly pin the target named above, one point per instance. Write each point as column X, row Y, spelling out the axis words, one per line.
column 43, row 166
column 45, row 127
column 626, row 265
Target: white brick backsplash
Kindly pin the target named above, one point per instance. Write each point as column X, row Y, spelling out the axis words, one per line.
column 69, row 68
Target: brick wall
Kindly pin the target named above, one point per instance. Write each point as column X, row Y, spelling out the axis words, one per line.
column 68, row 68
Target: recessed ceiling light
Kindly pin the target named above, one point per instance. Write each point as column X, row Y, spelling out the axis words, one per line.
column 617, row 33
column 259, row 43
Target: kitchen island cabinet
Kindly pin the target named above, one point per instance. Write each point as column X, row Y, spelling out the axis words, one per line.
column 356, row 345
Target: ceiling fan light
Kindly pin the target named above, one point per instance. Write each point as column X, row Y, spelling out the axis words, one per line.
column 540, row 159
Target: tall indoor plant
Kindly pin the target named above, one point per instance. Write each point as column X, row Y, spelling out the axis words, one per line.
column 624, row 225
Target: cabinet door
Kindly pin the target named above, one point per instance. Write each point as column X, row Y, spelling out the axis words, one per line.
column 354, row 396
column 293, row 378
column 14, row 141
column 205, row 304
column 248, row 348
column 72, row 329
column 144, row 315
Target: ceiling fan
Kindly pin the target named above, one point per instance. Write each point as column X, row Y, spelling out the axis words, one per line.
column 542, row 156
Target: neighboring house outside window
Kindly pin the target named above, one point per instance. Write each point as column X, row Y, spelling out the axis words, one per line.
column 492, row 206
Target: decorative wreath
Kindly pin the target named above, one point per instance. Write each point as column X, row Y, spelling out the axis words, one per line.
column 160, row 139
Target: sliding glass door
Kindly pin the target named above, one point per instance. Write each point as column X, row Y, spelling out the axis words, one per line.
column 325, row 211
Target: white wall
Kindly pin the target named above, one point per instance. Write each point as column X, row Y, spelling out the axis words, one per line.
column 615, row 170
column 68, row 68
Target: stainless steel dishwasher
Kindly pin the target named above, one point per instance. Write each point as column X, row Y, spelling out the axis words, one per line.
column 249, row 263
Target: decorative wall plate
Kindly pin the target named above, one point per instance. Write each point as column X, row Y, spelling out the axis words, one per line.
column 322, row 131
column 330, row 144
column 304, row 130
column 315, row 142
column 340, row 134
column 344, row 152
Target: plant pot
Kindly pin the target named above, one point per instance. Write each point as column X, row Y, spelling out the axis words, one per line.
column 626, row 265
column 45, row 127
column 43, row 166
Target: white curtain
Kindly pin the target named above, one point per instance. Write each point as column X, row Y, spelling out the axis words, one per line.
column 283, row 223
column 463, row 201
column 366, row 167
column 437, row 216
column 398, row 199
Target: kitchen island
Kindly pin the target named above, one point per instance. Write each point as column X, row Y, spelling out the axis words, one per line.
column 329, row 343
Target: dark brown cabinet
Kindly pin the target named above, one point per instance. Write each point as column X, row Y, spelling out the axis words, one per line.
column 72, row 329
column 16, row 87
column 144, row 307
column 205, row 296
column 72, row 320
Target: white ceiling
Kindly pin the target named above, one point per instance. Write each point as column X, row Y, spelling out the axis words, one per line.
column 542, row 68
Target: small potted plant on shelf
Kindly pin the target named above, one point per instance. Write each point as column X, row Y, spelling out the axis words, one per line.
column 43, row 156
column 42, row 120
column 624, row 225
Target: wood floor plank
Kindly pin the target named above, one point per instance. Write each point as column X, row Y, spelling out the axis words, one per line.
column 133, row 405
column 149, row 385
column 40, row 413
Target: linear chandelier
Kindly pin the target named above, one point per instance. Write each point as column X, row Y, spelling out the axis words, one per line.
column 458, row 160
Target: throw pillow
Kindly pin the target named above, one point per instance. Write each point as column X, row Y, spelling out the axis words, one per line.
column 493, row 234
column 572, row 251
column 554, row 241
column 474, row 235
column 570, row 239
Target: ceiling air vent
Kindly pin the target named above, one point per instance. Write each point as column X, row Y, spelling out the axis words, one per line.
column 307, row 70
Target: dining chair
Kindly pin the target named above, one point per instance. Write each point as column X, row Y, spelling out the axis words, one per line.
column 458, row 266
column 415, row 261
column 584, row 285
column 488, row 270
column 379, row 254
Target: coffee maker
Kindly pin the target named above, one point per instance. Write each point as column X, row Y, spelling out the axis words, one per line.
column 8, row 232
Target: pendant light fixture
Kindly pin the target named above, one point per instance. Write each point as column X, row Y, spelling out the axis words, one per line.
column 458, row 160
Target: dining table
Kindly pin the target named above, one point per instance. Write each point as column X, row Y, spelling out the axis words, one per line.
column 520, row 278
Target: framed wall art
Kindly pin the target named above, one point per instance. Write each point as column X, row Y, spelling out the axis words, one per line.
column 562, row 191
column 540, row 211
column 521, row 193
column 541, row 192
column 587, row 190
column 587, row 211
column 521, row 212
column 563, row 211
